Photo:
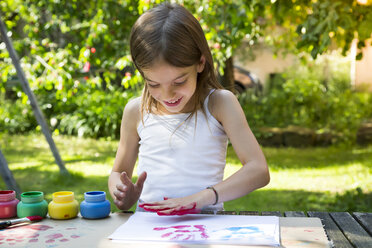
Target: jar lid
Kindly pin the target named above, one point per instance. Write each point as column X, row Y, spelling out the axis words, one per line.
column 95, row 196
column 63, row 196
column 7, row 195
column 32, row 196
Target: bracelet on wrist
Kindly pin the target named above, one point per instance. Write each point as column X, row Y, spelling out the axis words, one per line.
column 215, row 192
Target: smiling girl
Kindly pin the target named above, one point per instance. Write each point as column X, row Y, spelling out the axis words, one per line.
column 179, row 128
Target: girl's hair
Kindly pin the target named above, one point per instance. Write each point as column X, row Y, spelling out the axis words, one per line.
column 171, row 33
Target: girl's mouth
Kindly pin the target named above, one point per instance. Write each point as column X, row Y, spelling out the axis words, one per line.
column 173, row 103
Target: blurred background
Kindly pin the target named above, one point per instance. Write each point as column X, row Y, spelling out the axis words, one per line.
column 301, row 70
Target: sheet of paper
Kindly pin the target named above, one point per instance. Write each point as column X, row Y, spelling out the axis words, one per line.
column 200, row 229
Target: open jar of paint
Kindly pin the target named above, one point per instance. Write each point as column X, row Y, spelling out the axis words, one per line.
column 8, row 204
column 32, row 203
column 95, row 205
column 63, row 206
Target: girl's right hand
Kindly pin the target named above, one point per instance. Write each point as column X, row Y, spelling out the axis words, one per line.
column 127, row 193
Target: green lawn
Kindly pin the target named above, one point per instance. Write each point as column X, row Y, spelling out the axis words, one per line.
column 306, row 179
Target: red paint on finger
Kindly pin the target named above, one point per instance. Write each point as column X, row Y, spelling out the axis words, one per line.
column 191, row 211
column 180, row 212
column 142, row 205
column 146, row 205
column 156, row 210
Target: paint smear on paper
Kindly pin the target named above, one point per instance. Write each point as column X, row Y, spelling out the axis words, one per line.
column 183, row 232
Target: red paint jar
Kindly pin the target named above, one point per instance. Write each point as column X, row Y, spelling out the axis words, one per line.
column 8, row 204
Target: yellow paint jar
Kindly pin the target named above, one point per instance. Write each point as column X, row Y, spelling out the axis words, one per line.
column 63, row 206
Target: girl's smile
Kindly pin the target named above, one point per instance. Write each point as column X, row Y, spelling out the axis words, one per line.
column 173, row 103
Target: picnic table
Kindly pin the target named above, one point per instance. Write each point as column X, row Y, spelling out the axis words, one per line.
column 343, row 229
column 314, row 229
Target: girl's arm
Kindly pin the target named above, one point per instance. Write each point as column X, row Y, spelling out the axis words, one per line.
column 122, row 190
column 254, row 174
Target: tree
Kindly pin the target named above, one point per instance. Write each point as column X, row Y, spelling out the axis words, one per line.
column 71, row 48
column 322, row 24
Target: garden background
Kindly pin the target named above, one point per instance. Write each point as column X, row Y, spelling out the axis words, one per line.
column 75, row 55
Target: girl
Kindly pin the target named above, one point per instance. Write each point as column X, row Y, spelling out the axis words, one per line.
column 180, row 126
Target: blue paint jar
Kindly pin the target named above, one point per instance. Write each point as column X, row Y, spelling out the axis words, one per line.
column 95, row 205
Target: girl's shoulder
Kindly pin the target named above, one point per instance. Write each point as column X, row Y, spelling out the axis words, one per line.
column 219, row 101
column 134, row 105
column 133, row 109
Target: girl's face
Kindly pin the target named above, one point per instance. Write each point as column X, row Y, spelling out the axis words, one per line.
column 171, row 86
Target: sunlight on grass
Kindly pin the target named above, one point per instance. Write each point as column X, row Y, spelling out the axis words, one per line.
column 323, row 179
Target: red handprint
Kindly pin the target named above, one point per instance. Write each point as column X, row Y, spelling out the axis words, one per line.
column 183, row 232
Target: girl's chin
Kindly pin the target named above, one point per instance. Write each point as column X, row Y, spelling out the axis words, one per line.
column 173, row 110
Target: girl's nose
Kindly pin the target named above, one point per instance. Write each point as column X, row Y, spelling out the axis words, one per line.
column 168, row 93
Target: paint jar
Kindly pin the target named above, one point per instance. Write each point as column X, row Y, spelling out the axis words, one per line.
column 95, row 205
column 8, row 204
column 63, row 206
column 32, row 203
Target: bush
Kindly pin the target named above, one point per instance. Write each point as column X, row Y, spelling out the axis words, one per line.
column 97, row 114
column 16, row 117
column 87, row 111
column 304, row 96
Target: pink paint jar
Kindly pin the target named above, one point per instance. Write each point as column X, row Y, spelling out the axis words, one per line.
column 8, row 204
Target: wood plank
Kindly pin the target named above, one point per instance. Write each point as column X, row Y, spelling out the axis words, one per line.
column 354, row 232
column 294, row 214
column 365, row 219
column 207, row 212
column 226, row 212
column 272, row 213
column 249, row 213
column 334, row 234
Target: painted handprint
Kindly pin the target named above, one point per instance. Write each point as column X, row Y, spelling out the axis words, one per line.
column 183, row 232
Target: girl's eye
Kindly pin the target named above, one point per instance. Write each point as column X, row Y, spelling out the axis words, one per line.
column 153, row 85
column 180, row 83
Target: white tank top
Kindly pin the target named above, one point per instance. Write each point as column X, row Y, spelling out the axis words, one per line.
column 181, row 157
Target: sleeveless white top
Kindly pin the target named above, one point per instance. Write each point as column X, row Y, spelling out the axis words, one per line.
column 181, row 157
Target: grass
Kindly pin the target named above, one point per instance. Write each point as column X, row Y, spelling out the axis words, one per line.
column 306, row 179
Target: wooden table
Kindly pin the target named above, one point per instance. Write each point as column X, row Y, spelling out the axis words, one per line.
column 343, row 229
column 297, row 230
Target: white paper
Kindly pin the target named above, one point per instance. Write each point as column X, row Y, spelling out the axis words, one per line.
column 200, row 229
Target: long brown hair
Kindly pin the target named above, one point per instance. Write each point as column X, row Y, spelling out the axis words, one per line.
column 171, row 33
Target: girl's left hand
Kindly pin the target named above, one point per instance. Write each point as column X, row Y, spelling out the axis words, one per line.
column 176, row 206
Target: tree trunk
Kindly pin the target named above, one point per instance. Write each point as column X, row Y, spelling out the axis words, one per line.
column 33, row 102
column 7, row 175
column 228, row 77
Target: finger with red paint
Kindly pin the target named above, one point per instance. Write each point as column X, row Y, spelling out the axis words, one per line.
column 127, row 193
column 156, row 205
column 181, row 210
column 173, row 206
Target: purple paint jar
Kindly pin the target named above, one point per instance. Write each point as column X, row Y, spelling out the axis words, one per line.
column 8, row 204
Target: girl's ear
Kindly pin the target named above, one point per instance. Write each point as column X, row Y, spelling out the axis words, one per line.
column 201, row 64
